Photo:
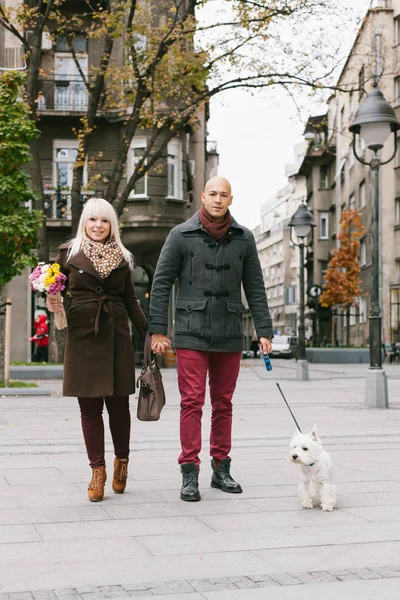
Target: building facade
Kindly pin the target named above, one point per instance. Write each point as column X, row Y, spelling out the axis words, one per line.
column 166, row 196
column 278, row 256
column 337, row 180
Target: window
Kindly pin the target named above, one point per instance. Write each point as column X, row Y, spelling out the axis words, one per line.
column 174, row 170
column 136, row 151
column 351, row 157
column 324, row 267
column 352, row 202
column 272, row 272
column 363, row 195
column 64, row 156
column 70, row 92
column 361, row 83
column 324, row 226
column 323, row 177
column 362, row 309
column 397, row 211
column 291, row 295
column 397, row 157
column 363, row 253
column 397, row 31
column 396, row 91
column 342, row 173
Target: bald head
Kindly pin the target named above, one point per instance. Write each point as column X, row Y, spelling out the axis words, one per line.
column 218, row 182
column 217, row 197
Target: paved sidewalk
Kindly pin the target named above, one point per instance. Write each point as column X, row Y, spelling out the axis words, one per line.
column 55, row 545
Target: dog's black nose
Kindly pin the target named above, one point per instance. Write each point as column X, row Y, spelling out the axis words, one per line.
column 294, row 456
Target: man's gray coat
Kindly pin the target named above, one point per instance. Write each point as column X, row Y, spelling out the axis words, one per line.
column 209, row 306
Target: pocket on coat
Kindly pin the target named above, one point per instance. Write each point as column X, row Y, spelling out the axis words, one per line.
column 233, row 319
column 190, row 316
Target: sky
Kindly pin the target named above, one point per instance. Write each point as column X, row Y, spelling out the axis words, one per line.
column 256, row 135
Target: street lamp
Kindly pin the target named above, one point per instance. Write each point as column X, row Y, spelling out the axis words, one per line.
column 374, row 120
column 302, row 222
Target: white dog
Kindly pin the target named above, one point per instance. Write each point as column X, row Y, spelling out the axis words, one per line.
column 316, row 470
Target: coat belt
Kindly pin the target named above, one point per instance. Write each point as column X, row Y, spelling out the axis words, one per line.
column 102, row 306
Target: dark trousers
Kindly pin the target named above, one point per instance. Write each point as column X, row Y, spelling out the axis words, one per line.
column 223, row 369
column 41, row 354
column 93, row 426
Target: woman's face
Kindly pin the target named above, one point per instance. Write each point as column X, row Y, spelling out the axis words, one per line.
column 98, row 228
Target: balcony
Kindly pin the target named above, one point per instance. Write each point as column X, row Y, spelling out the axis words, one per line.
column 63, row 95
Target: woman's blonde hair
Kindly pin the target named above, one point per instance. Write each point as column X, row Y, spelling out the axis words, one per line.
column 99, row 207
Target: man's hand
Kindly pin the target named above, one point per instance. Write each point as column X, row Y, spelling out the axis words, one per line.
column 159, row 343
column 265, row 345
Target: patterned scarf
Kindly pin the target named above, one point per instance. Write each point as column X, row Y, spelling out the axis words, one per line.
column 216, row 230
column 105, row 257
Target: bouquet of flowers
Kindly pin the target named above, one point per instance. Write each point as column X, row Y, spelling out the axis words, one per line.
column 49, row 279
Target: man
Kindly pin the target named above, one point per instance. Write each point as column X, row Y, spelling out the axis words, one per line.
column 211, row 255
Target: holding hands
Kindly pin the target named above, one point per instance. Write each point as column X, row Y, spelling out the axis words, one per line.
column 53, row 304
column 159, row 343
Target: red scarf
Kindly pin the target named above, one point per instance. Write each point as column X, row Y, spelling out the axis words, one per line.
column 216, row 230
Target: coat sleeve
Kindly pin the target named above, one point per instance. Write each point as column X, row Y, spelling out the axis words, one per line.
column 135, row 312
column 167, row 271
column 254, row 288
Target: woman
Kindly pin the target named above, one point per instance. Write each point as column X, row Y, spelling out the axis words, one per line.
column 99, row 360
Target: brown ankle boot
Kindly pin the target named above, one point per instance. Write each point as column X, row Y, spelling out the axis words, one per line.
column 120, row 475
column 96, row 486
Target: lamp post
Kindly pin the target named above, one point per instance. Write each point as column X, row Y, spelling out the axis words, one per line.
column 374, row 120
column 302, row 222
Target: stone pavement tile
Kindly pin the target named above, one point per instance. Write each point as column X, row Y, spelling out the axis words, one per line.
column 9, row 502
column 344, row 575
column 274, row 537
column 393, row 571
column 20, row 596
column 30, row 461
column 54, row 501
column 266, row 520
column 212, row 584
column 323, row 576
column 18, row 533
column 90, row 593
column 24, row 492
column 121, row 528
column 17, row 477
column 133, row 587
column 67, row 594
column 114, row 591
column 72, row 550
column 376, row 513
column 366, row 573
column 44, row 595
column 346, row 501
column 178, row 509
column 141, row 594
column 285, row 579
column 276, row 504
column 352, row 590
column 326, row 558
column 190, row 596
column 243, row 582
column 53, row 515
column 170, row 587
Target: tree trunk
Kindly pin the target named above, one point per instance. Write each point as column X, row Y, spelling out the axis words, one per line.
column 348, row 326
column 333, row 330
column 2, row 331
column 57, row 337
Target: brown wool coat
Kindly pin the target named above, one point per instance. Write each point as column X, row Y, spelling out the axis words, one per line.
column 99, row 359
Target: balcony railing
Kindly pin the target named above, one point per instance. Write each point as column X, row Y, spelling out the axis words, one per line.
column 63, row 95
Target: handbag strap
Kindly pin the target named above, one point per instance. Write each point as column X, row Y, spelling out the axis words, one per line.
column 147, row 354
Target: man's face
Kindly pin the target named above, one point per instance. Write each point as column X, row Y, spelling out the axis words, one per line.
column 217, row 197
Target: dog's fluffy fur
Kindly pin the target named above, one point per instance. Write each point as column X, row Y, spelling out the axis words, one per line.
column 316, row 470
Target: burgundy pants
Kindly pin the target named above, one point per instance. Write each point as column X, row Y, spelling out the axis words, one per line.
column 223, row 370
column 93, row 426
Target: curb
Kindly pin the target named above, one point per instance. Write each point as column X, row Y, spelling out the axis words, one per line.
column 36, row 372
column 34, row 391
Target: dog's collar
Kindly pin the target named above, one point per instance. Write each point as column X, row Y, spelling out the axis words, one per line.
column 312, row 464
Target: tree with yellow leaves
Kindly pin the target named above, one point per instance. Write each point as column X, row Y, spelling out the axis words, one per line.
column 342, row 279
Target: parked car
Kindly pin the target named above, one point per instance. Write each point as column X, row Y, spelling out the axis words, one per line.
column 284, row 346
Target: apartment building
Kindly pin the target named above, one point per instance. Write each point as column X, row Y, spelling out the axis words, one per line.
column 278, row 256
column 165, row 197
column 337, row 180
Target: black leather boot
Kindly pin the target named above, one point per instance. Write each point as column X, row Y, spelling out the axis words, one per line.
column 190, row 482
column 221, row 477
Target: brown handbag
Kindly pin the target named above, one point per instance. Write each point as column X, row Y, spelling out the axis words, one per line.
column 151, row 393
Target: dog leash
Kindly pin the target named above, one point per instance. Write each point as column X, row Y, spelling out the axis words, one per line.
column 290, row 410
